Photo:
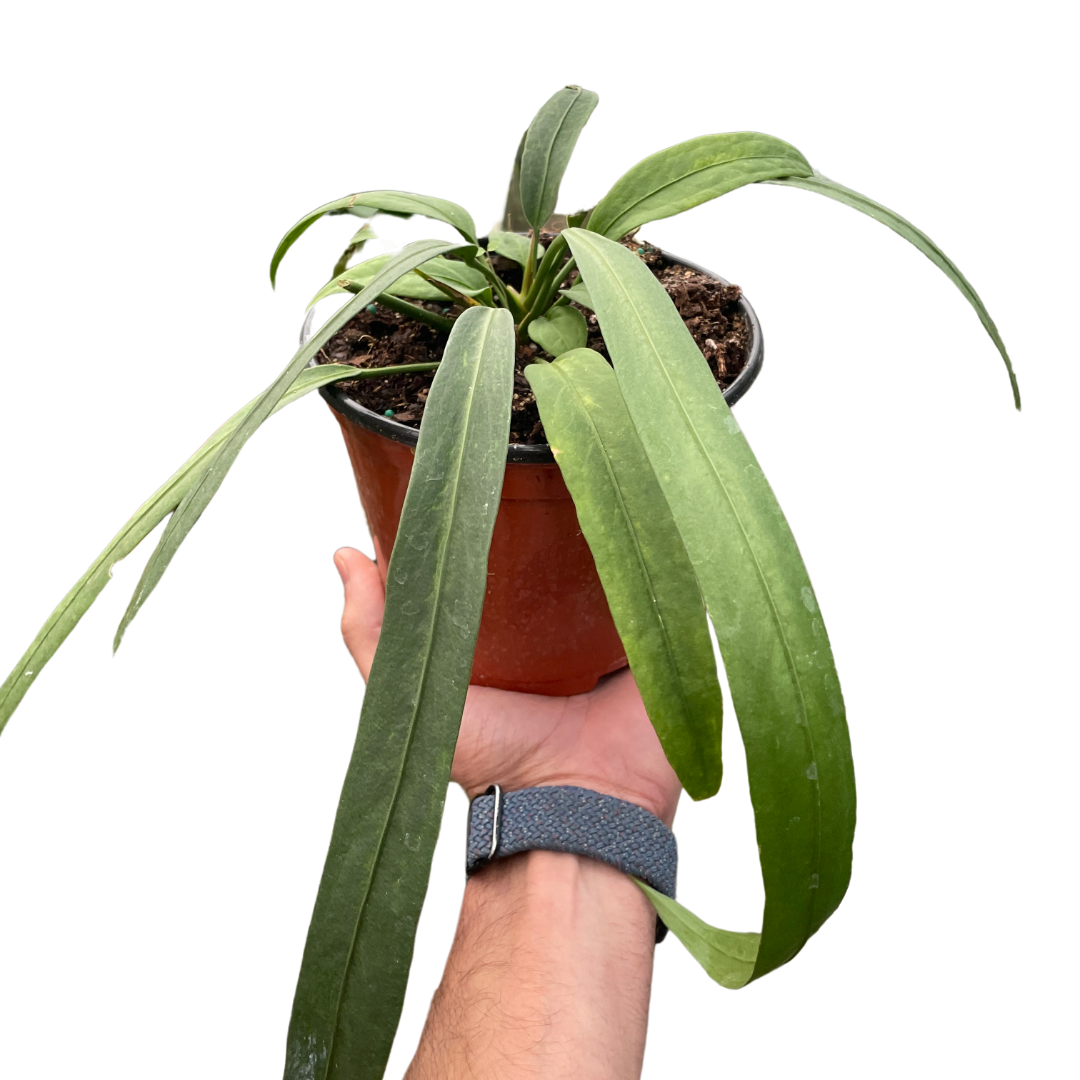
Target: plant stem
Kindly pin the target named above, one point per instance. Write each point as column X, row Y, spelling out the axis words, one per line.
column 547, row 281
column 555, row 252
column 394, row 369
column 530, row 265
column 508, row 296
column 514, row 303
column 547, row 297
column 450, row 291
column 414, row 311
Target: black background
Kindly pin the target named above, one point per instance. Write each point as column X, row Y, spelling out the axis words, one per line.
column 166, row 812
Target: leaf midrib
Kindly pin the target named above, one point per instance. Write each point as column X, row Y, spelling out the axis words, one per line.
column 440, row 565
column 668, row 647
column 167, row 493
column 547, row 156
column 788, row 657
column 685, row 175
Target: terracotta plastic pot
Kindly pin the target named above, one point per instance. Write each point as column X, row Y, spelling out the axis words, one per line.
column 546, row 627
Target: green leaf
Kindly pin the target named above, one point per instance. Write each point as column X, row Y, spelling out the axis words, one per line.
column 727, row 956
column 358, row 242
column 356, row 960
column 579, row 294
column 388, row 201
column 563, row 329
column 513, row 217
column 578, row 218
column 689, row 174
column 360, row 211
column 198, row 498
column 512, row 245
column 362, row 236
column 643, row 566
column 830, row 188
column 783, row 681
column 546, row 151
column 163, row 502
column 351, row 252
column 463, row 278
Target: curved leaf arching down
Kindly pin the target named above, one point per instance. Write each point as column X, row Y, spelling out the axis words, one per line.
column 776, row 651
column 356, row 960
column 409, row 203
column 690, row 173
column 728, row 957
column 831, row 189
column 206, row 486
column 163, row 502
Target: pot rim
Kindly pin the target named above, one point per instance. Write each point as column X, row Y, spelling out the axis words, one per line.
column 538, row 453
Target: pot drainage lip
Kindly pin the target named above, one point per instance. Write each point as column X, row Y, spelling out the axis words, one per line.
column 539, row 453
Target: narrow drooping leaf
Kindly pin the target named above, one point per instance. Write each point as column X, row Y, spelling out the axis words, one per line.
column 356, row 961
column 389, row 201
column 512, row 245
column 689, row 174
column 546, row 151
column 776, row 651
column 830, row 188
column 163, row 502
column 204, row 489
column 456, row 274
column 726, row 955
column 643, row 566
column 562, row 329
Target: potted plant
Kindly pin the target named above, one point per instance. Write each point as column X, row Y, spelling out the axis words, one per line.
column 570, row 317
column 546, row 627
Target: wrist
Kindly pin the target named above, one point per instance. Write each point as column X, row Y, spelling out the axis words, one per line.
column 562, row 946
column 561, row 896
column 576, row 821
column 660, row 797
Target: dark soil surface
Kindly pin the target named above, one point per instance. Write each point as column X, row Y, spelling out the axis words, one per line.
column 381, row 338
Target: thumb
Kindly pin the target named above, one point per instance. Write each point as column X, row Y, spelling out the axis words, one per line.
column 364, row 598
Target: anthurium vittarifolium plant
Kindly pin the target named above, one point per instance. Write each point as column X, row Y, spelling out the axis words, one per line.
column 680, row 519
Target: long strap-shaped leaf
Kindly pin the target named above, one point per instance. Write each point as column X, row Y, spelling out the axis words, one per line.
column 776, row 652
column 463, row 278
column 830, row 188
column 690, row 173
column 204, row 489
column 646, row 573
column 546, row 150
column 163, row 502
column 394, row 201
column 356, row 961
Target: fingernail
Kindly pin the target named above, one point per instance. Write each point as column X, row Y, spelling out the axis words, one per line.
column 342, row 568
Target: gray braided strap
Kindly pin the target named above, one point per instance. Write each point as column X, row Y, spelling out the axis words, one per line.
column 577, row 821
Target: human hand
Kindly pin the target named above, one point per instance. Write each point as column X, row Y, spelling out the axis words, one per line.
column 601, row 740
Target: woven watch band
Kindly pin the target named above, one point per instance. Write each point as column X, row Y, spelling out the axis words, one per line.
column 576, row 821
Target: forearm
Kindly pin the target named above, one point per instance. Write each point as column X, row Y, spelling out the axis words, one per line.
column 548, row 975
